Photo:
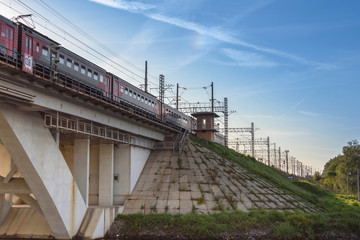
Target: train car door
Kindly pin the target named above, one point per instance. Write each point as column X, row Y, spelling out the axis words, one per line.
column 116, row 90
column 107, row 85
column 9, row 40
column 28, row 45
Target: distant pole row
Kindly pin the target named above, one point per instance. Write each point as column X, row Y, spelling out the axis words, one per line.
column 275, row 157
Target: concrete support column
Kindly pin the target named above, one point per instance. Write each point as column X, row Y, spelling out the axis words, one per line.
column 81, row 167
column 106, row 171
column 122, row 163
column 38, row 158
column 5, row 167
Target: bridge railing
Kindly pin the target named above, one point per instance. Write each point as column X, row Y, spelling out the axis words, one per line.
column 10, row 57
column 94, row 130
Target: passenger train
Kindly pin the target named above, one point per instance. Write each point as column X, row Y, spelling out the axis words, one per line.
column 18, row 41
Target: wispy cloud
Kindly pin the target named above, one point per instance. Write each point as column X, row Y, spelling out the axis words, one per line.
column 248, row 59
column 214, row 32
column 311, row 114
column 136, row 7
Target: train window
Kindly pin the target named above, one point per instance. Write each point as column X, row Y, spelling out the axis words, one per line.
column 83, row 69
column 142, row 99
column 76, row 66
column 96, row 76
column 101, row 78
column 139, row 97
column 69, row 62
column 61, row 59
column 122, row 89
column 45, row 51
column 89, row 73
column 37, row 47
column 126, row 91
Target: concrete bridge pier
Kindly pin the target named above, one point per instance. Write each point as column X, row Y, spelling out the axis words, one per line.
column 47, row 179
column 61, row 184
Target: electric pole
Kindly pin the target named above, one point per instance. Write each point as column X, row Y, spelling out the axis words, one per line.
column 252, row 140
column 280, row 158
column 287, row 161
column 268, row 145
column 212, row 97
column 275, row 154
column 161, row 93
column 146, row 79
column 177, row 96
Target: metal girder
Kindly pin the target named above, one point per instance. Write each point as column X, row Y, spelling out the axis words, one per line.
column 241, row 130
column 201, row 107
column 256, row 142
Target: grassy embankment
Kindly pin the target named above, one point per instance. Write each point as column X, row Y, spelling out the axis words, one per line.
column 340, row 217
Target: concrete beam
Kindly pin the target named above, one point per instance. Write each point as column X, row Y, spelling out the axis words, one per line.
column 4, row 208
column 62, row 103
column 29, row 200
column 10, row 174
column 106, row 172
column 81, row 166
column 17, row 185
column 44, row 169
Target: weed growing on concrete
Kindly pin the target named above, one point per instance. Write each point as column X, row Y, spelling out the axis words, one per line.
column 179, row 163
column 201, row 200
column 153, row 208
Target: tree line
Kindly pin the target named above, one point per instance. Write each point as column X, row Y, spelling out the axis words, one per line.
column 340, row 168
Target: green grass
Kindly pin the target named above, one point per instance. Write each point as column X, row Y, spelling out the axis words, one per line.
column 276, row 224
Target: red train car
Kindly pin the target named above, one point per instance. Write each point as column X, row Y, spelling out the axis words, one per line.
column 8, row 37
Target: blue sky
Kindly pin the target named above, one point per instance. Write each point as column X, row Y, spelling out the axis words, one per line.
column 291, row 67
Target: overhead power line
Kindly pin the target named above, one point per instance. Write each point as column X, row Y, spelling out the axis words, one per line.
column 130, row 73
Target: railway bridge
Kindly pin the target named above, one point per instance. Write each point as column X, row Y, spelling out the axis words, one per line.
column 68, row 158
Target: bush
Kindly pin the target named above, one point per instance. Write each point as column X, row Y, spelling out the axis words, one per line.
column 285, row 230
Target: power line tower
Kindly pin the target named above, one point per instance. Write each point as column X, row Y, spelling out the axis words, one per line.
column 274, row 155
column 226, row 124
column 228, row 130
column 161, row 93
column 268, row 146
column 252, row 140
column 279, row 158
column 287, row 161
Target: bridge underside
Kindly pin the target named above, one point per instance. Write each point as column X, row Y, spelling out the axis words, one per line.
column 68, row 158
column 58, row 183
